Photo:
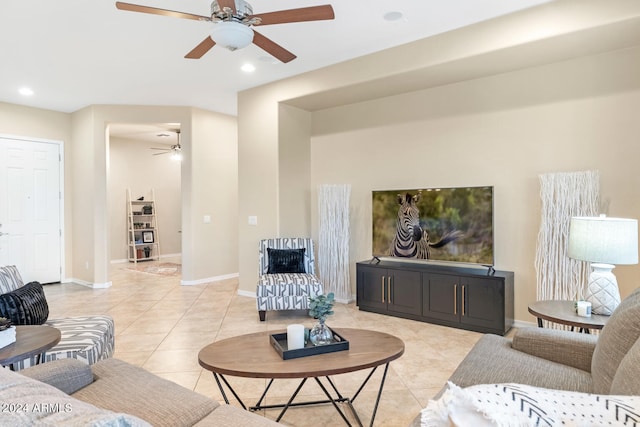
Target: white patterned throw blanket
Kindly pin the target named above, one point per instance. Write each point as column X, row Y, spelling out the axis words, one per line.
column 515, row 405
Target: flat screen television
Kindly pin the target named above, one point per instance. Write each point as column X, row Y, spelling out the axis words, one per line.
column 440, row 224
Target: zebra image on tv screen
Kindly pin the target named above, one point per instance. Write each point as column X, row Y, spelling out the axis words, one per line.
column 445, row 224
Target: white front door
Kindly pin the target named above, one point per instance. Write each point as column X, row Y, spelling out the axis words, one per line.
column 30, row 208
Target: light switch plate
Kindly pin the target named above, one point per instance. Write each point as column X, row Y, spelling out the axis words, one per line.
column 253, row 220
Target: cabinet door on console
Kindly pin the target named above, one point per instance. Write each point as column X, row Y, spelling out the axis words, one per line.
column 484, row 303
column 404, row 291
column 441, row 296
column 372, row 287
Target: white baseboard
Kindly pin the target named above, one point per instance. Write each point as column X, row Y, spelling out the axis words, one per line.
column 246, row 293
column 125, row 260
column 209, row 279
column 88, row 284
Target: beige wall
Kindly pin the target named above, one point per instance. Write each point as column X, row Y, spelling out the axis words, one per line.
column 133, row 165
column 476, row 106
column 502, row 131
column 214, row 186
column 210, row 149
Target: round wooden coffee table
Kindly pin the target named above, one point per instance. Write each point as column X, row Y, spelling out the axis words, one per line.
column 30, row 341
column 253, row 356
column 564, row 313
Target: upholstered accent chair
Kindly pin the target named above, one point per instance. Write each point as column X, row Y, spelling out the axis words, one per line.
column 286, row 275
column 85, row 338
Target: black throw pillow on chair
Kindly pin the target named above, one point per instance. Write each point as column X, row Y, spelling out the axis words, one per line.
column 286, row 260
column 26, row 305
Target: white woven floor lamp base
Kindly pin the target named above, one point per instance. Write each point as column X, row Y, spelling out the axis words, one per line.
column 333, row 241
column 564, row 195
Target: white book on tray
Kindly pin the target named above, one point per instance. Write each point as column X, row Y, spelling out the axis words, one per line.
column 8, row 336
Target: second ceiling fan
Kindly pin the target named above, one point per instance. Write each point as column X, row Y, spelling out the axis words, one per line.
column 234, row 21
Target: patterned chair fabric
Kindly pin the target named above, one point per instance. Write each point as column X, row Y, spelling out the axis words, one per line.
column 89, row 338
column 286, row 291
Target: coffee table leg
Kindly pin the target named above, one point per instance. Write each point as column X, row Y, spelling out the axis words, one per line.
column 293, row 396
column 264, row 393
column 364, row 383
column 224, row 395
column 539, row 322
column 375, row 408
column 333, row 402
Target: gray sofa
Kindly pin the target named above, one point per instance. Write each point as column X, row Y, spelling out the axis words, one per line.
column 605, row 364
column 111, row 392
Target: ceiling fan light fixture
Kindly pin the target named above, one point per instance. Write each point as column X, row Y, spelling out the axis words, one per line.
column 232, row 35
column 176, row 154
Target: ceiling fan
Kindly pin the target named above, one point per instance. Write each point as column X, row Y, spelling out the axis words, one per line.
column 234, row 21
column 175, row 150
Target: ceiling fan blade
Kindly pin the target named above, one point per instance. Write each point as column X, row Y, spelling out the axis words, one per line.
column 164, row 12
column 231, row 4
column 313, row 13
column 201, row 49
column 272, row 47
column 157, row 154
column 156, row 148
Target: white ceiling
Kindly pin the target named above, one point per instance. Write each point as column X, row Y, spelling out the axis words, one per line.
column 75, row 53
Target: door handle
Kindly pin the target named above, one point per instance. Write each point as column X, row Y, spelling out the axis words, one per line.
column 382, row 289
column 463, row 300
column 389, row 290
column 455, row 297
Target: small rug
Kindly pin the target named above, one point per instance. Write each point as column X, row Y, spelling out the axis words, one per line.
column 162, row 269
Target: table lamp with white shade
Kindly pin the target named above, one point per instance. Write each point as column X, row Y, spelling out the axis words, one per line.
column 603, row 242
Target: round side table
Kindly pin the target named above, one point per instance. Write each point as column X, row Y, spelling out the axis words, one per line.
column 563, row 312
column 30, row 341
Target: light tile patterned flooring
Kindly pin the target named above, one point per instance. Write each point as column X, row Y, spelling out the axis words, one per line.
column 161, row 326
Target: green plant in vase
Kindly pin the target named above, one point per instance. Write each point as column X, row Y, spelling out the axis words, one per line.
column 319, row 308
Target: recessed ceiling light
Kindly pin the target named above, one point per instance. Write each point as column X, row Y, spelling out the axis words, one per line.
column 393, row 16
column 248, row 68
column 26, row 91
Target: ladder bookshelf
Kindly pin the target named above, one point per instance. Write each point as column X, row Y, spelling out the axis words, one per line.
column 143, row 239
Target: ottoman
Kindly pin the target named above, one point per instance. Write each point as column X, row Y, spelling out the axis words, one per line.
column 88, row 339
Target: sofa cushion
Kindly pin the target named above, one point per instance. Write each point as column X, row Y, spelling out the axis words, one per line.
column 119, row 386
column 286, row 260
column 523, row 405
column 564, row 347
column 27, row 402
column 68, row 375
column 26, row 305
column 493, row 360
column 10, row 279
column 627, row 378
column 619, row 334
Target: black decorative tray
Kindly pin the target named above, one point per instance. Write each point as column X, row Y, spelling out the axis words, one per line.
column 279, row 343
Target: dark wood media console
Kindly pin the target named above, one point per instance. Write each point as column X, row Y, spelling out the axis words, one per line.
column 476, row 299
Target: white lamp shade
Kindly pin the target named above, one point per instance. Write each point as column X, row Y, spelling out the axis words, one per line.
column 232, row 35
column 604, row 240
